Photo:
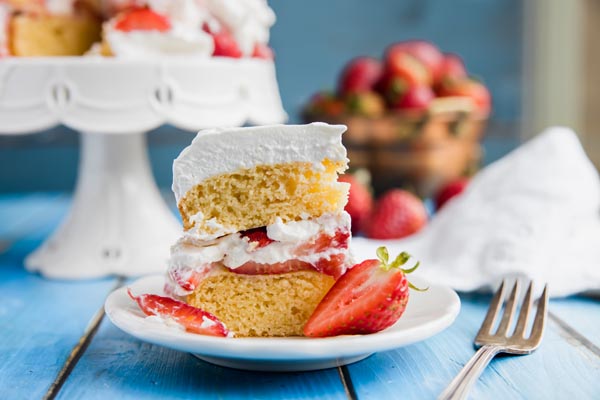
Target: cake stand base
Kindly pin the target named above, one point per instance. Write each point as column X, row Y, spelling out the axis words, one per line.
column 118, row 223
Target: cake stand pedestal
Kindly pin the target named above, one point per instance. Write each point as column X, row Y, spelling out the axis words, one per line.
column 118, row 223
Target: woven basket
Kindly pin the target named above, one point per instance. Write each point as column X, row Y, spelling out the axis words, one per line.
column 419, row 151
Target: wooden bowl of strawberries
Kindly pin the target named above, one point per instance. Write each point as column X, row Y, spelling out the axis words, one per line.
column 415, row 118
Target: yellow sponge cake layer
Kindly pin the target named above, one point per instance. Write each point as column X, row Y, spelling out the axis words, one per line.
column 255, row 197
column 262, row 305
column 52, row 35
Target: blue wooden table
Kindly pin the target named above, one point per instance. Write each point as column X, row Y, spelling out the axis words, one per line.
column 55, row 342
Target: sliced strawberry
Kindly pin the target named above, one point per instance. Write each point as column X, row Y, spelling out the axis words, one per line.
column 263, row 51
column 142, row 19
column 254, row 268
column 191, row 318
column 368, row 298
column 323, row 242
column 188, row 278
column 225, row 45
column 258, row 236
column 334, row 266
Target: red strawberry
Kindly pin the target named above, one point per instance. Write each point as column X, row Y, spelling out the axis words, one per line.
column 450, row 190
column 254, row 268
column 360, row 75
column 334, row 266
column 392, row 88
column 188, row 278
column 323, row 242
column 360, row 202
column 263, row 51
column 191, row 318
column 427, row 53
column 368, row 298
column 397, row 214
column 225, row 45
column 416, row 98
column 452, row 68
column 402, row 64
column 470, row 88
column 142, row 19
column 258, row 236
column 325, row 103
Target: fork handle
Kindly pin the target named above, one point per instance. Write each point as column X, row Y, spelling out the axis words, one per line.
column 460, row 386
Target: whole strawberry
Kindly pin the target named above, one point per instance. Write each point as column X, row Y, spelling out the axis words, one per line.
column 359, row 75
column 368, row 298
column 397, row 214
column 450, row 190
column 360, row 202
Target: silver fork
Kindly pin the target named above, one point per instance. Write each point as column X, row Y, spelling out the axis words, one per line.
column 491, row 344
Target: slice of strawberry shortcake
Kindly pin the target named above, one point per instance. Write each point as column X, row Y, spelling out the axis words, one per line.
column 265, row 234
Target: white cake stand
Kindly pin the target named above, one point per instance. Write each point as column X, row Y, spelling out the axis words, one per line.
column 118, row 223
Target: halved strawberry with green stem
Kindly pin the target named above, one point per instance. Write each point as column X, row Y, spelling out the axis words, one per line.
column 370, row 297
column 191, row 318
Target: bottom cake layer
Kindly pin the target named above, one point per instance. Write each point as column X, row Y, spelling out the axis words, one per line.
column 262, row 305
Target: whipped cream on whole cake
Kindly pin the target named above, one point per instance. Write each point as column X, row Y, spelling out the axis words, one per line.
column 192, row 26
column 184, row 38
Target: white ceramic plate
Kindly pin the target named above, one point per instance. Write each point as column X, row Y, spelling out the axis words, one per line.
column 427, row 314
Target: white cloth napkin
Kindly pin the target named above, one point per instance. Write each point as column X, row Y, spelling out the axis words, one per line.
column 534, row 214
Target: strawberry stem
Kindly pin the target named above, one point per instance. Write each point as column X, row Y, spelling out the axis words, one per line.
column 401, row 259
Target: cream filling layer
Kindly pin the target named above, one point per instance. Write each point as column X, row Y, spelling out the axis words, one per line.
column 234, row 250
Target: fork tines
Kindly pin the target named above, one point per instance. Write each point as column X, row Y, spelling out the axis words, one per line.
column 519, row 338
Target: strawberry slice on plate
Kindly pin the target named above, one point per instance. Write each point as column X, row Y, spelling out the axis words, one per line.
column 193, row 319
column 368, row 298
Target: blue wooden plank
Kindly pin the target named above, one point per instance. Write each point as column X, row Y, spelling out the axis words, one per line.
column 18, row 212
column 117, row 365
column 40, row 320
column 559, row 369
column 580, row 313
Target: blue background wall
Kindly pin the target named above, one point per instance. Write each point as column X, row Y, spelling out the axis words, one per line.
column 312, row 40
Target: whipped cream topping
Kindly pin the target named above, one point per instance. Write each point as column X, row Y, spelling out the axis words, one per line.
column 248, row 20
column 152, row 44
column 226, row 150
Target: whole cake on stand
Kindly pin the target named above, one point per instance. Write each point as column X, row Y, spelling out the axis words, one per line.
column 118, row 222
